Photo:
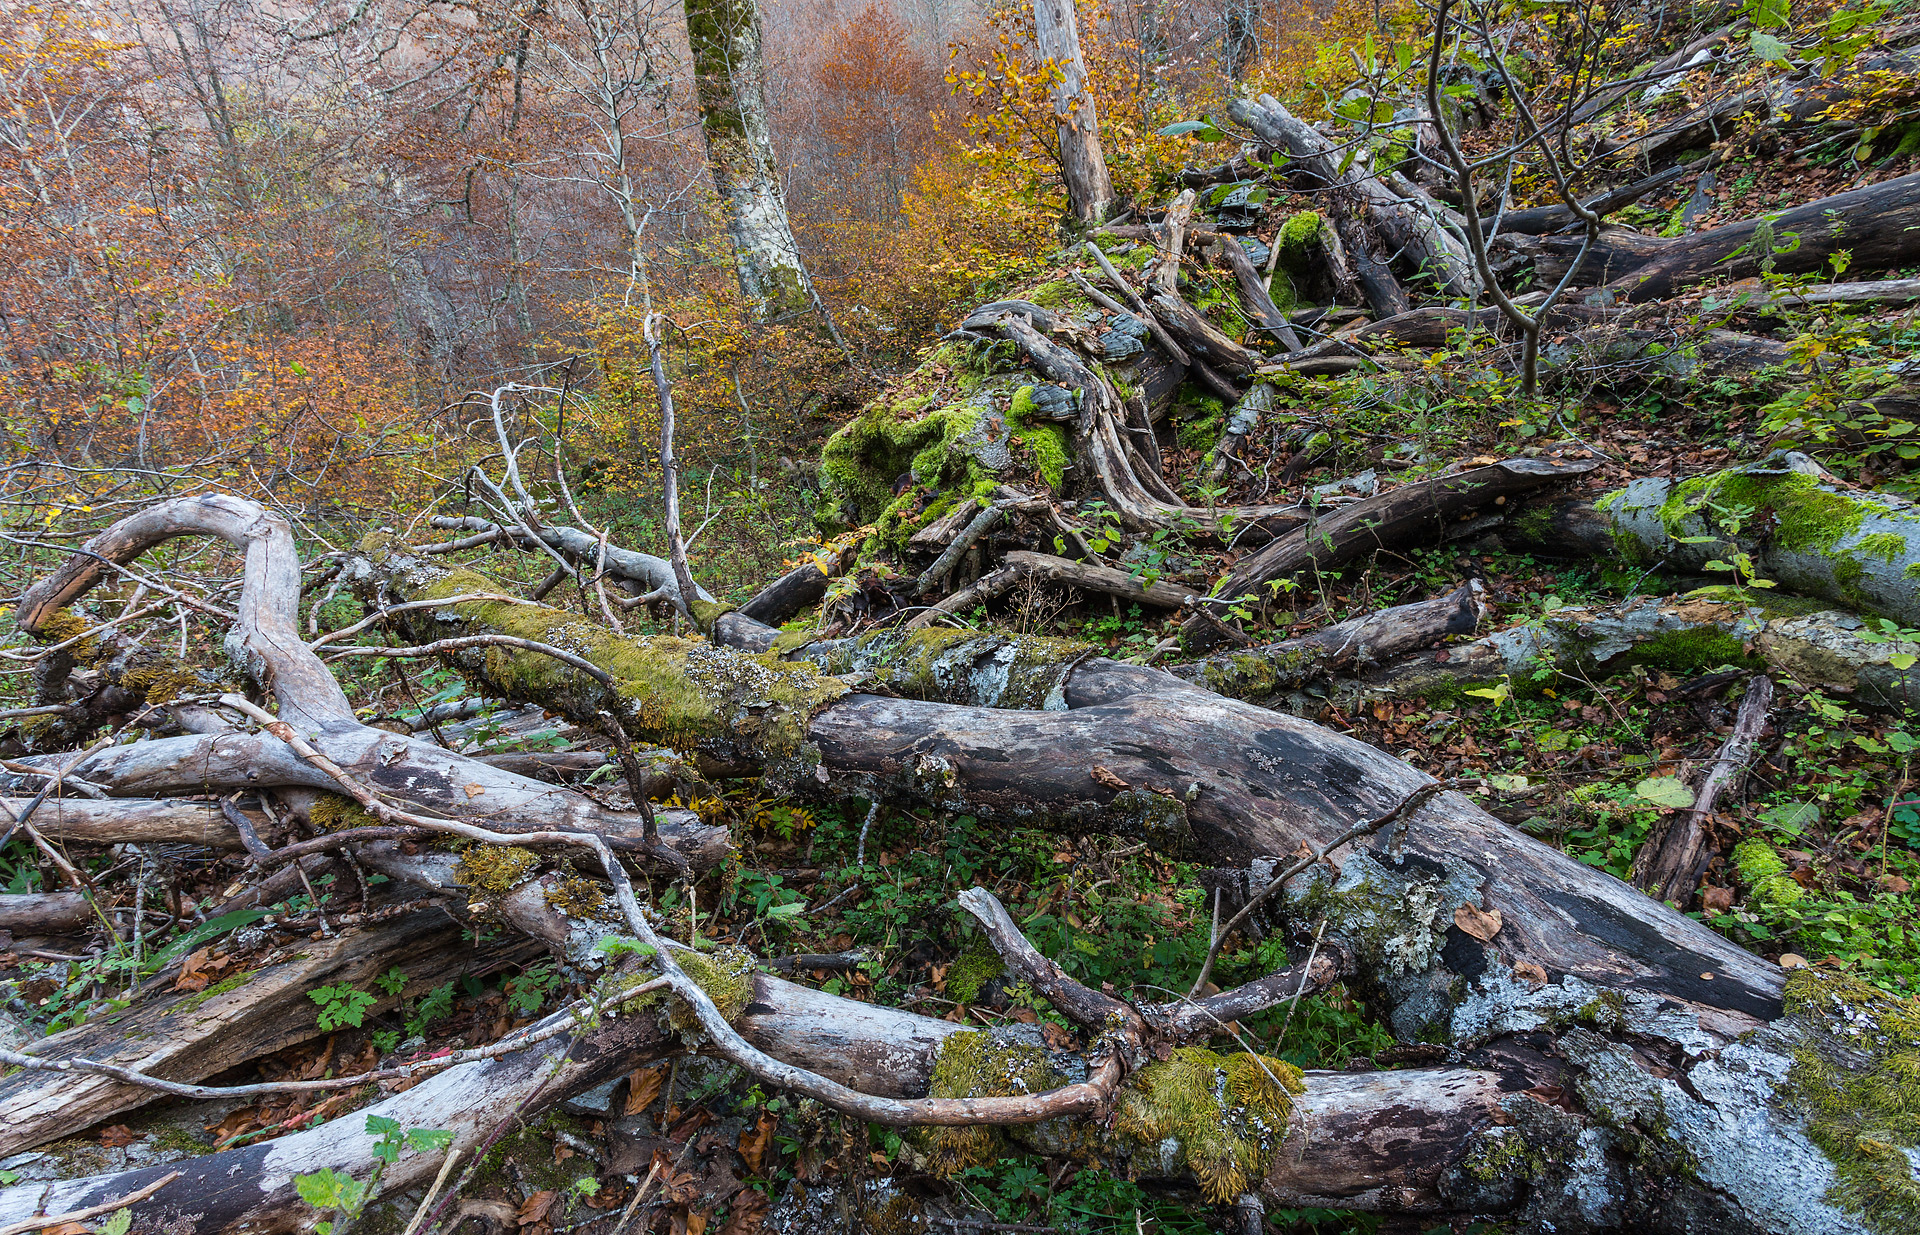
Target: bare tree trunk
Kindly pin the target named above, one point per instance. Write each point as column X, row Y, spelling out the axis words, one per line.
column 1089, row 189
column 729, row 77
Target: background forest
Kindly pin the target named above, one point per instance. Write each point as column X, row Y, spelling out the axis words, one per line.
column 399, row 270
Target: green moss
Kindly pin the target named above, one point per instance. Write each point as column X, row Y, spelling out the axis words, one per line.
column 978, row 1064
column 726, row 975
column 64, row 624
column 580, row 897
column 976, row 967
column 1046, row 442
column 1912, row 572
column 1887, row 546
column 1766, row 876
column 156, row 681
column 335, row 812
column 1062, row 294
column 681, row 693
column 1502, row 1154
column 1856, row 1074
column 496, row 868
column 222, row 987
column 1692, row 650
column 1806, row 517
column 1224, row 1115
column 1297, row 239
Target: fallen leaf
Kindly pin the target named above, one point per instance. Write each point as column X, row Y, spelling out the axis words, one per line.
column 1482, row 924
column 68, row 1228
column 1792, row 960
column 643, row 1087
column 1894, row 883
column 1530, row 973
column 1102, row 776
column 474, row 791
column 117, row 1136
column 754, row 1142
column 1056, row 1037
column 1716, row 900
column 535, row 1208
column 746, row 1213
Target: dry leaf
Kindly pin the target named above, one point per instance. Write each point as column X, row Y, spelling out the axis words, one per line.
column 1531, row 973
column 68, row 1228
column 1716, row 900
column 474, row 791
column 745, row 1213
column 535, row 1208
column 1102, row 776
column 117, row 1136
column 1482, row 924
column 754, row 1142
column 643, row 1087
column 1056, row 1037
column 697, row 1223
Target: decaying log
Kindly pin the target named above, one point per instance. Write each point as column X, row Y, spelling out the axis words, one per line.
column 1427, row 243
column 1396, row 518
column 1020, row 564
column 1879, row 225
column 265, row 638
column 44, row 913
column 118, row 821
column 1669, row 863
column 1806, row 532
column 1539, row 220
column 1819, row 650
column 190, row 1036
column 1260, row 673
column 800, row 588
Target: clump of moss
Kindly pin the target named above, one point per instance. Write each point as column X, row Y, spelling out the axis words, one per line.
column 1692, row 650
column 863, row 460
column 981, row 1064
column 1806, row 517
column 495, row 868
column 334, row 812
column 726, row 975
column 159, row 682
column 578, row 897
column 1765, row 874
column 1856, row 1074
column 1047, row 443
column 976, row 967
column 1887, row 546
column 222, row 987
column 1221, row 1115
column 64, row 624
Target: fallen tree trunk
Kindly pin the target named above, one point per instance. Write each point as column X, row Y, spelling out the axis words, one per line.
column 1581, row 1136
column 44, row 913
column 1397, row 518
column 1878, row 225
column 1551, row 949
column 1669, row 863
column 1260, row 673
column 190, row 1036
column 1087, row 576
column 1817, row 650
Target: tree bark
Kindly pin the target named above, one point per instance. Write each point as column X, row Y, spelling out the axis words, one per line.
column 729, row 72
column 190, row 1036
column 1057, row 39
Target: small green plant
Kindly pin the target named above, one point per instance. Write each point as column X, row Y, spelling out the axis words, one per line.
column 341, row 1006
column 529, row 992
column 331, row 1191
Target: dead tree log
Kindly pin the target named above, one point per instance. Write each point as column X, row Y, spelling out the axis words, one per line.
column 1669, row 863
column 44, row 913
column 1879, row 225
column 1396, row 518
column 1426, row 243
column 190, row 1036
column 1260, row 673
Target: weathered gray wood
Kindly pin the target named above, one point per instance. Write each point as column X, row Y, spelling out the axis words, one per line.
column 1668, row 864
column 191, row 1036
column 1396, row 518
column 44, row 913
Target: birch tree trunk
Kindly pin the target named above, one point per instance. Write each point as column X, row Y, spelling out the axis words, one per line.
column 729, row 78
column 1089, row 190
